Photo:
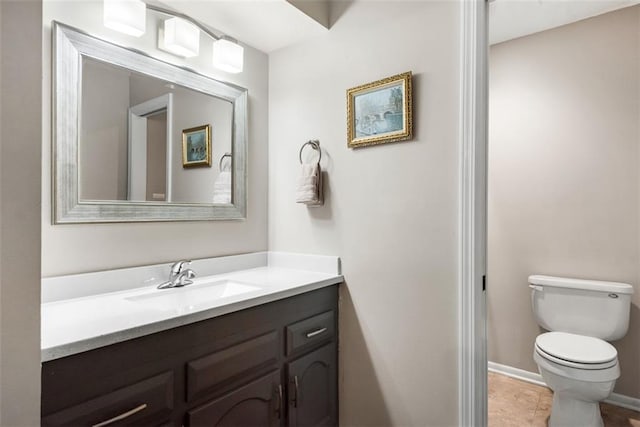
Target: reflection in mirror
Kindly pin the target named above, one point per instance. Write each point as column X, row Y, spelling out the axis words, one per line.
column 149, row 141
column 138, row 139
column 131, row 138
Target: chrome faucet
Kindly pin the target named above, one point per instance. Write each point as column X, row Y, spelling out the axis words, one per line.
column 178, row 276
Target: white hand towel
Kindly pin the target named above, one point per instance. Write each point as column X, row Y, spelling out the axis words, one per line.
column 222, row 188
column 309, row 190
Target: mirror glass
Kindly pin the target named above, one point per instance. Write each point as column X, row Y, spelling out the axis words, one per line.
column 138, row 139
column 131, row 139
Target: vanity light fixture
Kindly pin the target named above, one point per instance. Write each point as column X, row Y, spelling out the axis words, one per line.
column 181, row 36
column 125, row 16
column 228, row 55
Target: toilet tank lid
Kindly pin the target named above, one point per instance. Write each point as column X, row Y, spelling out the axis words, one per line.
column 589, row 285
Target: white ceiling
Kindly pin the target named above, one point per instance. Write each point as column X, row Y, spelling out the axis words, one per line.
column 510, row 19
column 269, row 25
column 266, row 25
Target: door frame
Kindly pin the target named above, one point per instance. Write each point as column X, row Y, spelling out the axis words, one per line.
column 144, row 110
column 472, row 226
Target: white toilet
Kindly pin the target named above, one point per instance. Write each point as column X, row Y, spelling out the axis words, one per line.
column 574, row 359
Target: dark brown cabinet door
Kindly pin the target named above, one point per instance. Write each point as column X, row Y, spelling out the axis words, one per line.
column 312, row 389
column 257, row 404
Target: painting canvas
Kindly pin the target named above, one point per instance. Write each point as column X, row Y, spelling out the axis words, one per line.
column 196, row 146
column 380, row 111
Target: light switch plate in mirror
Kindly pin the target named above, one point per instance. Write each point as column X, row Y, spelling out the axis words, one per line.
column 71, row 47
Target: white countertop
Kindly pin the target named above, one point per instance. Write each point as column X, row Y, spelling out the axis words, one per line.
column 74, row 325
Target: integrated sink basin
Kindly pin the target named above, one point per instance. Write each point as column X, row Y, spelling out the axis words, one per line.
column 201, row 295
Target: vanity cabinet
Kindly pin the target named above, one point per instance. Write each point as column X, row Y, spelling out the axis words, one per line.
column 270, row 365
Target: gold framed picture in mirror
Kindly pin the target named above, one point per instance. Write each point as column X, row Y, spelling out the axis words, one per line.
column 196, row 146
column 380, row 111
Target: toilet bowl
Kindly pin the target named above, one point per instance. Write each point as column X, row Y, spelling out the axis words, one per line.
column 574, row 358
column 581, row 371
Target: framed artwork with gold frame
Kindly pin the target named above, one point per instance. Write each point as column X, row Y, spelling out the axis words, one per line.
column 380, row 111
column 196, row 146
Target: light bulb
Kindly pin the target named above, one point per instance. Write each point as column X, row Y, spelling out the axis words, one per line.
column 125, row 16
column 181, row 37
column 228, row 56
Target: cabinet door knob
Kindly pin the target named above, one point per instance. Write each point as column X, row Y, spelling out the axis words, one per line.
column 121, row 416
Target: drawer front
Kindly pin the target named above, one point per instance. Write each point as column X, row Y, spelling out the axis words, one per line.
column 225, row 366
column 147, row 402
column 306, row 333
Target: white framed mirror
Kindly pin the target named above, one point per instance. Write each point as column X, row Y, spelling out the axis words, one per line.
column 138, row 139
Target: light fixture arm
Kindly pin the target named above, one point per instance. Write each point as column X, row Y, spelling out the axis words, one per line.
column 187, row 18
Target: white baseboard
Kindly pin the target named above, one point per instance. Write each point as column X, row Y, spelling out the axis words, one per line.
column 534, row 378
column 519, row 374
column 624, row 401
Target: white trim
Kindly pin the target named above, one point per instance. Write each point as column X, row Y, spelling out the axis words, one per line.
column 168, row 193
column 137, row 158
column 142, row 111
column 534, row 378
column 624, row 401
column 472, row 358
column 517, row 373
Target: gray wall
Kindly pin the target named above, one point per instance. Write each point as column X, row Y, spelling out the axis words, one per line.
column 20, row 165
column 390, row 211
column 103, row 139
column 70, row 249
column 564, row 180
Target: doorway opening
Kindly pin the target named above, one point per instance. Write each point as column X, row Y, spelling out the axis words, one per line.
column 563, row 185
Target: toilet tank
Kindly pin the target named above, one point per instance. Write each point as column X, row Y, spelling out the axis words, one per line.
column 586, row 307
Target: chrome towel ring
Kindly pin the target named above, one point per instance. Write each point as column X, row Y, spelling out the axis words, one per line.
column 315, row 144
column 222, row 158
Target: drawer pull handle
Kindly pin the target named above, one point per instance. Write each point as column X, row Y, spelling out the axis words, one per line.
column 317, row 332
column 122, row 416
column 279, row 405
column 294, row 398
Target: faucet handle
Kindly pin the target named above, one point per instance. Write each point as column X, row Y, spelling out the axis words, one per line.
column 176, row 267
column 185, row 278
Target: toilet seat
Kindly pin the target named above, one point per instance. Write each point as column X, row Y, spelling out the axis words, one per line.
column 576, row 351
column 577, row 373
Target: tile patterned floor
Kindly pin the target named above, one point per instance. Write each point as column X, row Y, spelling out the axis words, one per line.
column 514, row 403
